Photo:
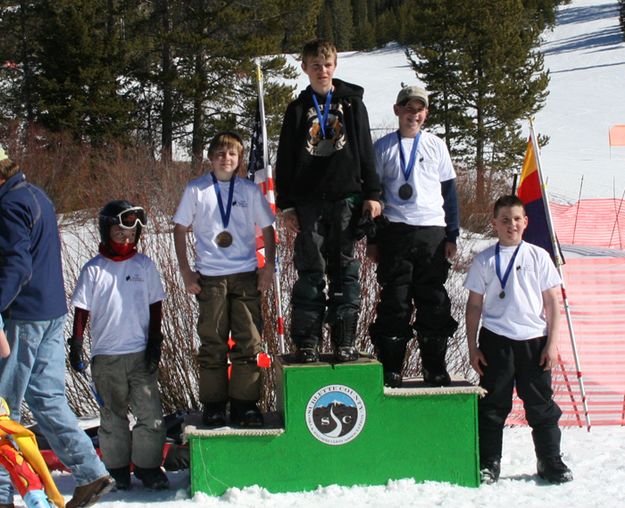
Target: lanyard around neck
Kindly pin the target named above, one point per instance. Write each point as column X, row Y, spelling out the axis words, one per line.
column 407, row 171
column 503, row 280
column 323, row 118
column 225, row 213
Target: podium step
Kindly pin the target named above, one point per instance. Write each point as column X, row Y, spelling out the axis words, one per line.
column 337, row 424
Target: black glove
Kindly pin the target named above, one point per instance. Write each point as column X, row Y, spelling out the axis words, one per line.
column 369, row 227
column 153, row 352
column 76, row 355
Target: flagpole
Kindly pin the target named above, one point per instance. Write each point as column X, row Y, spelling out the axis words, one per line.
column 559, row 263
column 272, row 202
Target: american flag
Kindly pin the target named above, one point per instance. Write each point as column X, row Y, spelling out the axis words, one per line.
column 260, row 173
column 258, row 170
column 256, row 163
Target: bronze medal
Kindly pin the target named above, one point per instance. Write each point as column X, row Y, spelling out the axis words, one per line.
column 325, row 147
column 502, row 295
column 405, row 191
column 223, row 239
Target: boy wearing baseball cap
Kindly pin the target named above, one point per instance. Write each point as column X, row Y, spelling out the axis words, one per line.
column 413, row 252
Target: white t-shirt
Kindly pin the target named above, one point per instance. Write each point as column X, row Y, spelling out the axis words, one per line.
column 432, row 166
column 118, row 295
column 520, row 314
column 199, row 208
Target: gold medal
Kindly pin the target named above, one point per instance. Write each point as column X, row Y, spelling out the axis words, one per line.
column 223, row 239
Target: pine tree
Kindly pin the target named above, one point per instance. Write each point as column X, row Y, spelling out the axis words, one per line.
column 335, row 23
column 18, row 49
column 364, row 34
column 480, row 61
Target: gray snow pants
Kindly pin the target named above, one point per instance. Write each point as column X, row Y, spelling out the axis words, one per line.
column 124, row 384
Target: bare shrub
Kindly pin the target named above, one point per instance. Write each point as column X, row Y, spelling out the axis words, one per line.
column 81, row 179
column 475, row 214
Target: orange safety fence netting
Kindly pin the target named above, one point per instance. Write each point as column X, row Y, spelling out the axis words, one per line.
column 596, row 295
column 590, row 222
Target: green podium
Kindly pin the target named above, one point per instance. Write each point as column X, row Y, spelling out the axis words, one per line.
column 338, row 424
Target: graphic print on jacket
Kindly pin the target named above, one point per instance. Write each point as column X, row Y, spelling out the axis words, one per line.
column 335, row 139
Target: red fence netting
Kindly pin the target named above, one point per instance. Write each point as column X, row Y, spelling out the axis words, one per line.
column 596, row 295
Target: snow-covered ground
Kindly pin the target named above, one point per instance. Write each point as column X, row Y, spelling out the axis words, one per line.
column 586, row 57
column 596, row 459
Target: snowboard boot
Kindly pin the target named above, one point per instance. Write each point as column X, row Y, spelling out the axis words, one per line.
column 489, row 471
column 214, row 414
column 245, row 413
column 344, row 338
column 433, row 350
column 554, row 470
column 391, row 352
column 121, row 475
column 306, row 355
column 306, row 335
column 152, row 477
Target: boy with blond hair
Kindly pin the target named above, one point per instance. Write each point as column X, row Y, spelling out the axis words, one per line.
column 326, row 181
column 224, row 210
column 513, row 290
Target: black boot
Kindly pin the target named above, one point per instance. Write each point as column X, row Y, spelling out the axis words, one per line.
column 433, row 350
column 306, row 334
column 214, row 414
column 152, row 478
column 121, row 475
column 391, row 352
column 306, row 355
column 344, row 338
column 554, row 470
column 245, row 413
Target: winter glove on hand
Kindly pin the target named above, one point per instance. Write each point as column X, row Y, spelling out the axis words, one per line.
column 153, row 352
column 76, row 355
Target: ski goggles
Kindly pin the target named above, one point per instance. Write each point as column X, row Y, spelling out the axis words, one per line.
column 129, row 218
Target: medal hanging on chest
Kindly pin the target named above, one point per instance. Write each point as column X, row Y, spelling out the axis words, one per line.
column 325, row 146
column 503, row 280
column 224, row 239
column 406, row 191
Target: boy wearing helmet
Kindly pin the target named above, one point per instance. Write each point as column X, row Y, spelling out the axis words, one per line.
column 121, row 290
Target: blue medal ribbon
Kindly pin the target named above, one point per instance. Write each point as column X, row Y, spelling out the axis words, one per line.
column 225, row 213
column 323, row 119
column 503, row 280
column 407, row 171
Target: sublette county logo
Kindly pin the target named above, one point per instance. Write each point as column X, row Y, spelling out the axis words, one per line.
column 335, row 414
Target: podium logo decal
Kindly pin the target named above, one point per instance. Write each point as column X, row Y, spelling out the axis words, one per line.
column 335, row 414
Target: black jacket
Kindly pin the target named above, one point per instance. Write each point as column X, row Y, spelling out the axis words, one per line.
column 305, row 171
